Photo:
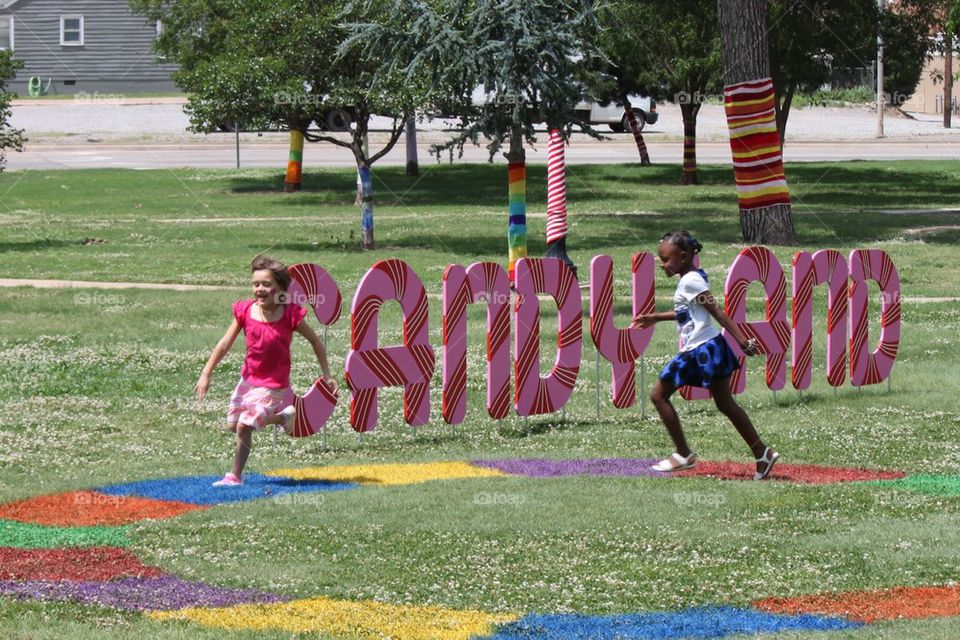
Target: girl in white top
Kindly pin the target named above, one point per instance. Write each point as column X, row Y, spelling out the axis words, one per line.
column 705, row 358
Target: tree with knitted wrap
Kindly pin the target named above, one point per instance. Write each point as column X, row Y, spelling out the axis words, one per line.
column 764, row 199
column 501, row 66
column 275, row 66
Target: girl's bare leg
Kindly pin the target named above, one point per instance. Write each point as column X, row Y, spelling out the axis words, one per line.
column 738, row 417
column 244, row 442
column 660, row 396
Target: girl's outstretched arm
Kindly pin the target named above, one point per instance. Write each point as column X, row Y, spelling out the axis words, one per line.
column 748, row 346
column 307, row 332
column 222, row 348
column 645, row 320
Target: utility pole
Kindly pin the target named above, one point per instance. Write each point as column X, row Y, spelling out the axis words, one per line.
column 880, row 96
column 947, row 77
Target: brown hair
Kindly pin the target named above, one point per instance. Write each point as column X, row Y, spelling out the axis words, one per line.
column 279, row 270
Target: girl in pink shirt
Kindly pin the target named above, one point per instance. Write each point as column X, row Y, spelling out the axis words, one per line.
column 268, row 325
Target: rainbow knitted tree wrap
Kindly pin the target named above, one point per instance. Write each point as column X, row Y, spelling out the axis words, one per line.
column 517, row 229
column 295, row 161
column 755, row 143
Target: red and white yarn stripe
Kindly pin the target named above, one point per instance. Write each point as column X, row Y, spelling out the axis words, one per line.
column 535, row 395
column 556, row 188
column 479, row 281
column 868, row 367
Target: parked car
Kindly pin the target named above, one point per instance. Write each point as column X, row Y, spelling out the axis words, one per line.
column 615, row 116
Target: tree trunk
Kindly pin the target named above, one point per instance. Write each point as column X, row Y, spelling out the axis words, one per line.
column 517, row 226
column 365, row 184
column 689, row 112
column 413, row 164
column 295, row 162
column 765, row 215
column 637, row 135
column 783, row 112
column 948, row 79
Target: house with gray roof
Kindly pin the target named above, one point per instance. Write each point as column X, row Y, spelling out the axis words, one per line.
column 82, row 46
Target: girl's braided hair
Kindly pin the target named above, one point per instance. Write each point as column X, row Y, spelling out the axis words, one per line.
column 684, row 240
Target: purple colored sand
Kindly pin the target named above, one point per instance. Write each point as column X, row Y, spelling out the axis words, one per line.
column 138, row 594
column 540, row 468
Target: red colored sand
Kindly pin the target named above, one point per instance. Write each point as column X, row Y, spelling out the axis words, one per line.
column 77, row 564
column 800, row 473
column 899, row 603
column 89, row 508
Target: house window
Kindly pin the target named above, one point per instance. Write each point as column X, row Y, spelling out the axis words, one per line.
column 71, row 30
column 6, row 32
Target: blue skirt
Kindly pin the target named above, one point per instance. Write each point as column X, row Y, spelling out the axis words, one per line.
column 701, row 366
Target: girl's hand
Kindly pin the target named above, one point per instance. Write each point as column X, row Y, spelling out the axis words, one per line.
column 643, row 321
column 202, row 385
column 332, row 383
column 750, row 347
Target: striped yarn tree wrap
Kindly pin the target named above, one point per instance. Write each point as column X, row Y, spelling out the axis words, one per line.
column 637, row 135
column 556, row 188
column 755, row 143
column 295, row 162
column 517, row 229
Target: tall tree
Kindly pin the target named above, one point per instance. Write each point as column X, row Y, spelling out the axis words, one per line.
column 500, row 65
column 810, row 38
column 274, row 65
column 10, row 138
column 676, row 55
column 765, row 215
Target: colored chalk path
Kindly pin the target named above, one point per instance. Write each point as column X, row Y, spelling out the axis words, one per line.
column 73, row 547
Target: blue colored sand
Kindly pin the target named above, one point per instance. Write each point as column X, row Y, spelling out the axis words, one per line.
column 198, row 489
column 701, row 622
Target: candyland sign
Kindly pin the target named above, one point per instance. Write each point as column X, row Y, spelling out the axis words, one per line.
column 370, row 366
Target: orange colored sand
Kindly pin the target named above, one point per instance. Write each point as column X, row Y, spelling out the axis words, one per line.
column 898, row 603
column 89, row 508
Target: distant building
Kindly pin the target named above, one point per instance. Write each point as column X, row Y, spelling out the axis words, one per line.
column 82, row 46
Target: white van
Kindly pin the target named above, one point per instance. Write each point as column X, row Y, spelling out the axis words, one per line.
column 615, row 116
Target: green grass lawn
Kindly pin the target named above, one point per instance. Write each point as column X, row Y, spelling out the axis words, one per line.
column 96, row 388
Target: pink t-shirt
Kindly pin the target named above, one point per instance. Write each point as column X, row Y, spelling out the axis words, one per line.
column 268, row 345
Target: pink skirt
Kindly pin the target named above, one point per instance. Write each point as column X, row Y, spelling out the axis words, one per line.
column 252, row 406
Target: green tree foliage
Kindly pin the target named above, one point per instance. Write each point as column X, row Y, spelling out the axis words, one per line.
column 528, row 58
column 10, row 138
column 807, row 39
column 667, row 50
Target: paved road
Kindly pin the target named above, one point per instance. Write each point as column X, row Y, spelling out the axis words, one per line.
column 219, row 155
column 151, row 133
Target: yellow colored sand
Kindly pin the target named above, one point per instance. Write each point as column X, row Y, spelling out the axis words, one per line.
column 391, row 474
column 366, row 619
